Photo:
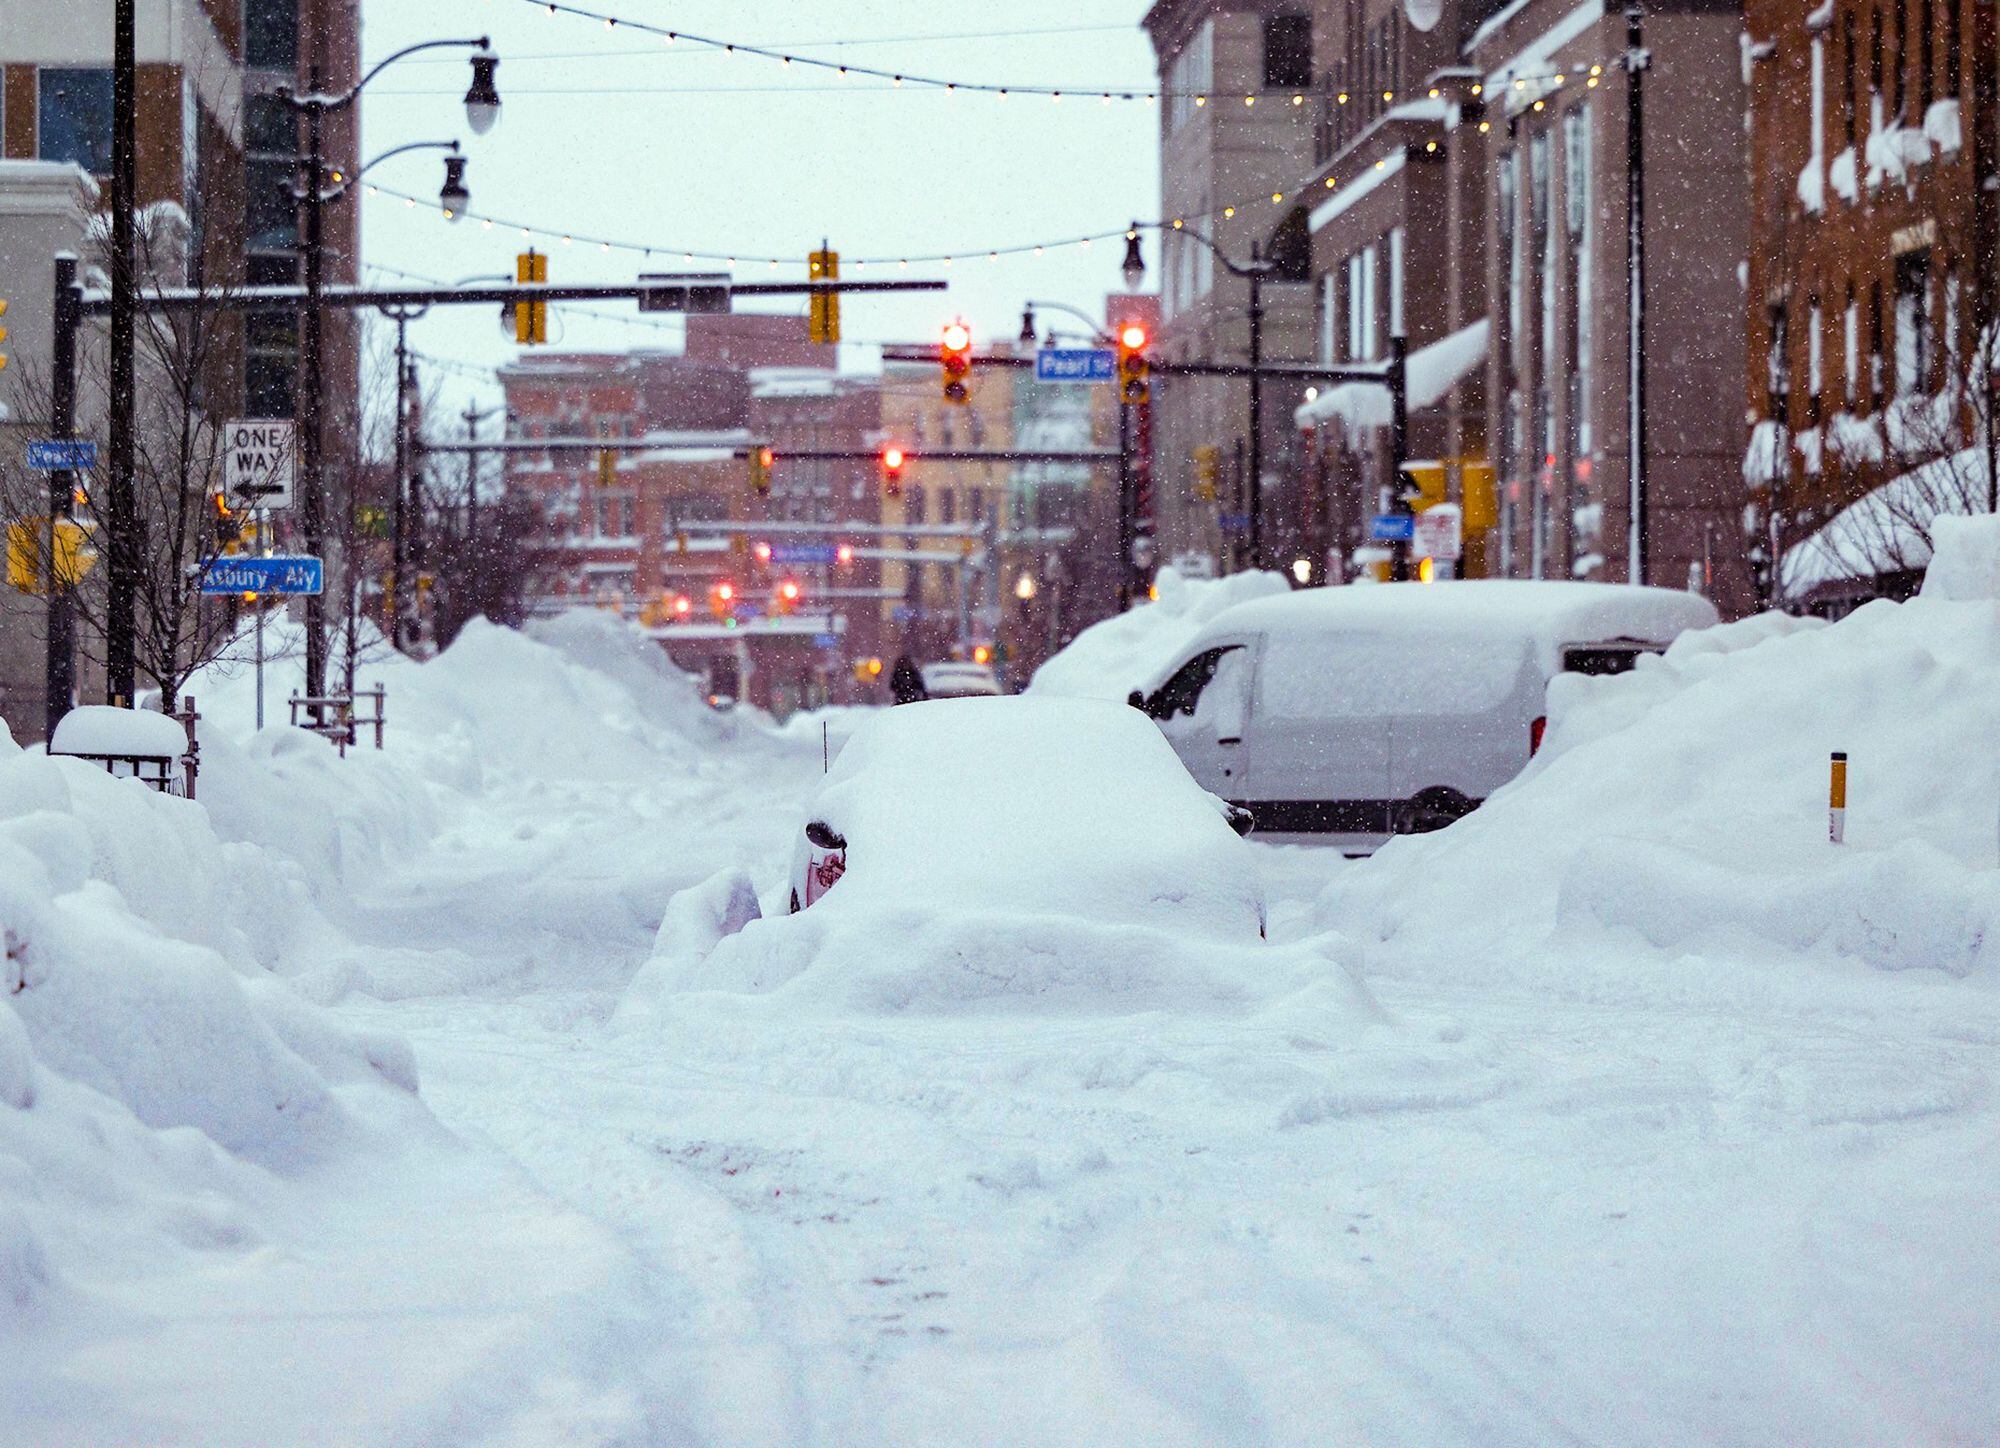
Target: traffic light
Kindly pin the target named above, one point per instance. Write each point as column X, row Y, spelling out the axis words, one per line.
column 1134, row 372
column 824, row 323
column 892, row 470
column 761, row 459
column 787, row 596
column 3, row 333
column 226, row 526
column 722, row 598
column 844, row 554
column 1207, row 466
column 531, row 319
column 955, row 353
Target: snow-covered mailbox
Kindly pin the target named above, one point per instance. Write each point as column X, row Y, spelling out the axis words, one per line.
column 157, row 749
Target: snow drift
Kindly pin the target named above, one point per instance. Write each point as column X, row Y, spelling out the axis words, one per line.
column 1684, row 805
column 1110, row 659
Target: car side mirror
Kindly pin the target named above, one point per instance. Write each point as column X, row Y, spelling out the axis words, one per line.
column 1240, row 820
column 1136, row 699
column 822, row 836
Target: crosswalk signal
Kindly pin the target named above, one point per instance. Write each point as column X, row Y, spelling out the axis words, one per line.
column 531, row 318
column 892, row 470
column 955, row 353
column 823, row 324
column 3, row 333
column 1134, row 371
column 761, row 459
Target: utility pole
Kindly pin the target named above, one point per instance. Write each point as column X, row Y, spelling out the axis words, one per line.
column 1125, row 529
column 60, row 686
column 1255, row 272
column 120, row 649
column 1399, row 451
column 312, row 501
column 399, row 524
column 1636, row 62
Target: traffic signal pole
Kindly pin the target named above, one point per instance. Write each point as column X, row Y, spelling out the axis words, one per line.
column 60, row 686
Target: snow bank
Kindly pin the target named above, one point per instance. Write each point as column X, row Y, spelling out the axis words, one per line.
column 1110, row 659
column 1683, row 807
column 150, row 1068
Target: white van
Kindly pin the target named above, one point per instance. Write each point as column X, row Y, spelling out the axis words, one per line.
column 1350, row 714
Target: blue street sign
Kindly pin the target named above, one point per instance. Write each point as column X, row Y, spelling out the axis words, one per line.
column 903, row 613
column 826, row 641
column 1075, row 364
column 62, row 455
column 1236, row 522
column 1393, row 528
column 803, row 552
column 264, row 575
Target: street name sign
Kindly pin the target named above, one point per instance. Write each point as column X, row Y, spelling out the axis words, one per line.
column 258, row 462
column 1075, row 364
column 804, row 553
column 281, row 575
column 60, row 455
column 1393, row 528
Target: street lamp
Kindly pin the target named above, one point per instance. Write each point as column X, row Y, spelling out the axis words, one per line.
column 1254, row 271
column 482, row 110
column 453, row 196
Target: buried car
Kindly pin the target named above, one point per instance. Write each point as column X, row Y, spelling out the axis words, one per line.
column 1047, row 806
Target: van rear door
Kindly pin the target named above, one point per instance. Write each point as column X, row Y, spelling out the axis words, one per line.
column 1318, row 739
column 1461, row 709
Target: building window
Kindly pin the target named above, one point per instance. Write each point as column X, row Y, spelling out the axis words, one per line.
column 1815, row 357
column 1287, row 52
column 1576, row 181
column 1952, row 302
column 74, row 110
column 1394, row 245
column 268, row 385
column 269, row 127
column 1851, row 342
column 1953, row 47
column 1190, row 76
column 1913, row 343
column 1927, row 54
column 1875, row 373
column 271, row 34
column 1850, row 102
column 1902, row 18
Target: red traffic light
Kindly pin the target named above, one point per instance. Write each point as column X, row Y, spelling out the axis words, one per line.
column 763, row 552
column 957, row 337
column 725, row 592
column 1132, row 337
column 892, row 470
column 683, row 605
column 789, row 590
column 892, row 459
column 844, row 554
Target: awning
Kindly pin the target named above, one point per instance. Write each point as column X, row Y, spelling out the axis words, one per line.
column 1432, row 373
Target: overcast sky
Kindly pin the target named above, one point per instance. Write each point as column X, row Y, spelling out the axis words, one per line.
column 609, row 132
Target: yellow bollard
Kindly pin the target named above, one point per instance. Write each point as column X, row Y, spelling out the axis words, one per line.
column 1836, row 799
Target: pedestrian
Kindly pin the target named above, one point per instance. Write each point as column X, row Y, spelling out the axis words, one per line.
column 906, row 681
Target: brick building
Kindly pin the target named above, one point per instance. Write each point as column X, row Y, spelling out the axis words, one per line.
column 1871, row 277
column 631, row 540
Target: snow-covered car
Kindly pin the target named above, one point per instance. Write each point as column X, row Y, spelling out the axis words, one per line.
column 1053, row 806
column 1352, row 714
column 953, row 680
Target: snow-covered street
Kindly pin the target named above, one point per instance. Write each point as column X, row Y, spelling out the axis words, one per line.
column 1507, row 1148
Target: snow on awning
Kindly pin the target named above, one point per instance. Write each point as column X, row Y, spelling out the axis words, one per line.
column 1433, row 372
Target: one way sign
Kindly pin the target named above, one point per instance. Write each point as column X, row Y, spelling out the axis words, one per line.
column 257, row 462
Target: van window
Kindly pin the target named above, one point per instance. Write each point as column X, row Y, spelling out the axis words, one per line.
column 1182, row 691
column 1348, row 676
column 1604, row 658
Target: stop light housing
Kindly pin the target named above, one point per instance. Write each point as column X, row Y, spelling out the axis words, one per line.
column 823, row 325
column 1135, row 385
column 955, row 356
column 531, row 318
column 892, row 470
column 761, row 459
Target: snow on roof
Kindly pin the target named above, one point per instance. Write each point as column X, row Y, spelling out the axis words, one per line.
column 1887, row 530
column 101, row 729
column 1127, row 651
column 1433, row 372
column 1549, row 613
column 1046, row 806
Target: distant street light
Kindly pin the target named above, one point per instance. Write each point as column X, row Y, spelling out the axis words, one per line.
column 1024, row 588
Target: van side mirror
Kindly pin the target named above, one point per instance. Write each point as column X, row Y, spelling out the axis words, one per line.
column 1136, row 700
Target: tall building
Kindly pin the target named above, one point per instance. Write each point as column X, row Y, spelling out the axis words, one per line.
column 1398, row 212
column 1236, row 136
column 1558, row 154
column 1872, row 263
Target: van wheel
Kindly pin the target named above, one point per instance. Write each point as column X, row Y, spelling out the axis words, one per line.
column 1430, row 810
